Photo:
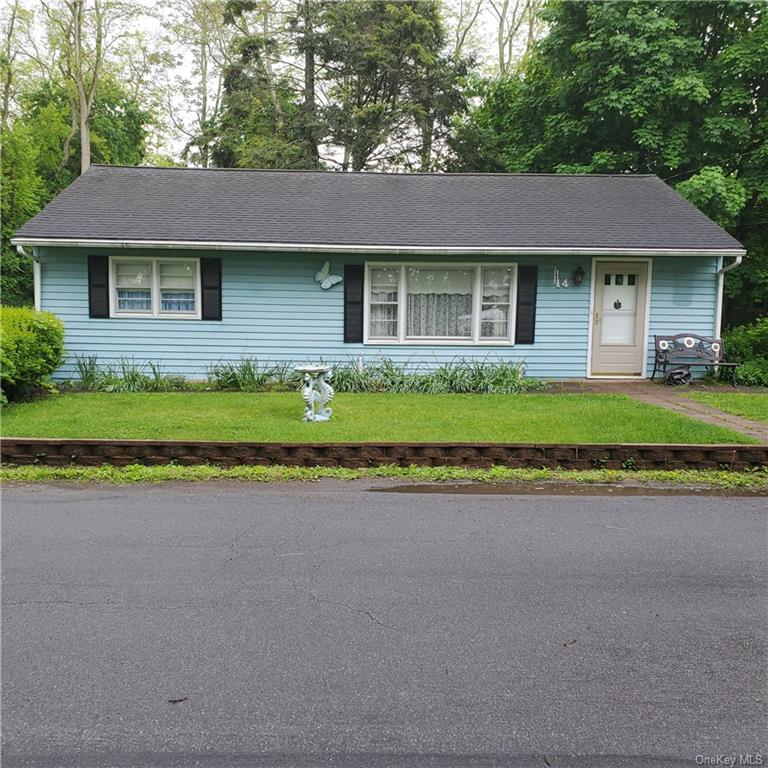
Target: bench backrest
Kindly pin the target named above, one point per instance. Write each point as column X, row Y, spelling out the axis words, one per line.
column 689, row 345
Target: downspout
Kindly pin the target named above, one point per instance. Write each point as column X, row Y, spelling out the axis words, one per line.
column 36, row 273
column 720, row 283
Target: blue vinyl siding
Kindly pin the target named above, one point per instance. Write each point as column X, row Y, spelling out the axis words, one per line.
column 274, row 310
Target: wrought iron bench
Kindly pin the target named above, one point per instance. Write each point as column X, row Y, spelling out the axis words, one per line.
column 686, row 350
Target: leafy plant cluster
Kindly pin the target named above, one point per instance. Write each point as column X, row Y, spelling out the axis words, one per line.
column 460, row 376
column 126, row 376
column 31, row 348
column 250, row 375
column 748, row 345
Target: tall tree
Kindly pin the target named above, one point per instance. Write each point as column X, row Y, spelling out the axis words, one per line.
column 83, row 34
column 353, row 84
column 194, row 82
column 32, row 172
column 676, row 89
column 387, row 81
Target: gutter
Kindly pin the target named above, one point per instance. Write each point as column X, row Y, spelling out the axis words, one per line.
column 36, row 272
column 720, row 285
column 366, row 249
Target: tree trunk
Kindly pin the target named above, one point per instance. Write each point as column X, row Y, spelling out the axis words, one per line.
column 83, row 105
column 427, row 128
column 204, row 99
column 8, row 67
column 71, row 135
column 309, row 106
column 85, row 135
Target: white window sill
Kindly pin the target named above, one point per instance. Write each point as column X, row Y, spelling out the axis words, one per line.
column 146, row 316
column 441, row 341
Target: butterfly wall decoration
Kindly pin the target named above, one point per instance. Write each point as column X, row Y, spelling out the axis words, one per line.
column 325, row 278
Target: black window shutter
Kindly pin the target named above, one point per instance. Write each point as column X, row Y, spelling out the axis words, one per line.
column 98, row 286
column 353, row 303
column 210, row 279
column 525, row 326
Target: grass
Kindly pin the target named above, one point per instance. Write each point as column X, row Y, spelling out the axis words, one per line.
column 750, row 405
column 276, row 417
column 138, row 473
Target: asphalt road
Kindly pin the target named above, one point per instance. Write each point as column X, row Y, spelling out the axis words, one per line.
column 323, row 624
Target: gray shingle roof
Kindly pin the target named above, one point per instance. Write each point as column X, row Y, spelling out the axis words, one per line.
column 376, row 210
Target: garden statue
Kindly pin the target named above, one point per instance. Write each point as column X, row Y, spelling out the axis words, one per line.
column 316, row 392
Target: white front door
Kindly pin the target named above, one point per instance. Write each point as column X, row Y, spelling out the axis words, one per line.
column 618, row 322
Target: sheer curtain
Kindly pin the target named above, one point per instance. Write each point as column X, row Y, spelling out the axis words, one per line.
column 133, row 281
column 439, row 302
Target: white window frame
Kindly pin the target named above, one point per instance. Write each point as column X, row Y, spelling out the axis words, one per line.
column 156, row 313
column 402, row 303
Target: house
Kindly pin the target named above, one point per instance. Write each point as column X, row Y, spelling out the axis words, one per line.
column 571, row 274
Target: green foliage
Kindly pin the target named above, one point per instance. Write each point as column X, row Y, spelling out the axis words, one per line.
column 36, row 166
column 23, row 193
column 457, row 377
column 385, row 77
column 675, row 89
column 126, row 376
column 753, row 373
column 388, row 91
column 248, row 375
column 747, row 342
column 748, row 345
column 381, row 375
column 721, row 197
column 31, row 348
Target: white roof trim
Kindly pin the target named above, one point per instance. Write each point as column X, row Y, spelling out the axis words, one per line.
column 388, row 249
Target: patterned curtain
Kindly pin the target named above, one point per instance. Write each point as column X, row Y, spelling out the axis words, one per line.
column 439, row 314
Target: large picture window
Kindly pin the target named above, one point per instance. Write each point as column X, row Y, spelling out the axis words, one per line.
column 427, row 303
column 155, row 287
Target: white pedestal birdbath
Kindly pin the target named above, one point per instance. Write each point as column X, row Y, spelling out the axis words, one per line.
column 316, row 392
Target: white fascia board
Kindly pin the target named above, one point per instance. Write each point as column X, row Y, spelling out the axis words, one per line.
column 388, row 249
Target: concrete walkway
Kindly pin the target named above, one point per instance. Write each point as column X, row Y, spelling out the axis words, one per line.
column 673, row 399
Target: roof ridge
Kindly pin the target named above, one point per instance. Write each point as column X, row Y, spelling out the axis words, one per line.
column 322, row 171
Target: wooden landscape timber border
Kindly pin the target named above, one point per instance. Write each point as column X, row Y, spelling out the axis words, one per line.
column 61, row 452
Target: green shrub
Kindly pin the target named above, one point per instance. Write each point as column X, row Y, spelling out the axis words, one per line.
column 747, row 342
column 753, row 373
column 249, row 375
column 126, row 376
column 456, row 377
column 31, row 348
column 748, row 345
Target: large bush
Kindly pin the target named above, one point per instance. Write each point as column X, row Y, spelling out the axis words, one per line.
column 31, row 348
column 748, row 346
column 747, row 342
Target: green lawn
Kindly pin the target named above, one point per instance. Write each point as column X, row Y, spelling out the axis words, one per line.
column 750, row 405
column 276, row 417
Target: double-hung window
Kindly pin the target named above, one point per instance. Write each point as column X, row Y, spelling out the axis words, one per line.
column 423, row 303
column 155, row 287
